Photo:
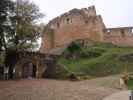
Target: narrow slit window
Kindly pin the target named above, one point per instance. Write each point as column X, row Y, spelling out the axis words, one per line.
column 67, row 20
column 58, row 25
column 123, row 33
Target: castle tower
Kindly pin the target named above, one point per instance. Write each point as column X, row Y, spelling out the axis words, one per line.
column 76, row 24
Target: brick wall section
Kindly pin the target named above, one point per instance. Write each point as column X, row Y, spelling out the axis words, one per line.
column 122, row 36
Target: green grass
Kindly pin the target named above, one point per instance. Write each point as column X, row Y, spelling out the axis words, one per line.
column 106, row 63
column 130, row 84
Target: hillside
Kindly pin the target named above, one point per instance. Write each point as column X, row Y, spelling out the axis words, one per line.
column 98, row 59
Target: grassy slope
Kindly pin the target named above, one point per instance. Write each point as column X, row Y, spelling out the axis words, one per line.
column 106, row 64
column 130, row 84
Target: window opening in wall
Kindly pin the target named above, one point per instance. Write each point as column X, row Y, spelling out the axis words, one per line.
column 58, row 25
column 129, row 30
column 108, row 31
column 86, row 22
column 67, row 20
column 132, row 30
column 123, row 33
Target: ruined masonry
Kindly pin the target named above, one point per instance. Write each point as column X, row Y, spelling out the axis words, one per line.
column 82, row 24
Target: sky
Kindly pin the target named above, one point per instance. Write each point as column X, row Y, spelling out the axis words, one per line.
column 115, row 13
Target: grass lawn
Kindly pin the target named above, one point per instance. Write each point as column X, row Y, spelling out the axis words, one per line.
column 106, row 63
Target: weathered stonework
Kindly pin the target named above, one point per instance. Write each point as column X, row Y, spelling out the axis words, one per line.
column 40, row 62
column 122, row 36
column 81, row 24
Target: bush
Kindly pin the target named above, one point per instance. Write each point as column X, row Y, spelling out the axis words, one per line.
column 74, row 47
column 101, row 60
column 92, row 52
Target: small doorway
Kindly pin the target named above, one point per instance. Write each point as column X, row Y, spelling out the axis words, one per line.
column 34, row 71
column 29, row 70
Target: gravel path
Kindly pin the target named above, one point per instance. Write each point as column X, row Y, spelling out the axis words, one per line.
column 123, row 95
column 43, row 89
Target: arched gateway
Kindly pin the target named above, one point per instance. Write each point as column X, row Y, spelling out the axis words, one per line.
column 29, row 70
column 32, row 65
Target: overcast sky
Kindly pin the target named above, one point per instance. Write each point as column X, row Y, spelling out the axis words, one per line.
column 115, row 13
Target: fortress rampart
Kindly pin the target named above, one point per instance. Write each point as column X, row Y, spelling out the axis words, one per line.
column 122, row 36
column 82, row 24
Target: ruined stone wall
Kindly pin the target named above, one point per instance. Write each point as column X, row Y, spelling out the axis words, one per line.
column 82, row 24
column 35, row 59
column 119, row 36
column 41, row 62
column 75, row 24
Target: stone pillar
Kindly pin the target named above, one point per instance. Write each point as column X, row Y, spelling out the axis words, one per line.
column 40, row 70
column 18, row 71
column 37, row 70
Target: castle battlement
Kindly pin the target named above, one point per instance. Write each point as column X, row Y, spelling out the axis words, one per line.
column 74, row 14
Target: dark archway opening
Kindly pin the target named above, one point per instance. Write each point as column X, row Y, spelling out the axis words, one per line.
column 34, row 71
column 29, row 70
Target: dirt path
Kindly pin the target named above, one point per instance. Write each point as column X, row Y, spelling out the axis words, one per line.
column 123, row 95
column 43, row 89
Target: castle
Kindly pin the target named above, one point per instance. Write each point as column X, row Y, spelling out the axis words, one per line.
column 78, row 24
column 82, row 24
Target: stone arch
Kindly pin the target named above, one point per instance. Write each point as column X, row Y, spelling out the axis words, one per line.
column 29, row 70
column 36, row 71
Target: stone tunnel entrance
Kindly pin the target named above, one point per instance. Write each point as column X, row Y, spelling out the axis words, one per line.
column 34, row 65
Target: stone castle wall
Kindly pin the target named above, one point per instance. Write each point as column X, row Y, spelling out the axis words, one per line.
column 122, row 36
column 76, row 24
column 82, row 24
